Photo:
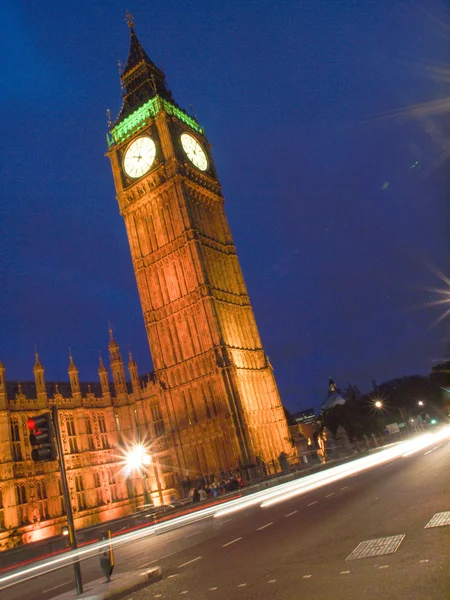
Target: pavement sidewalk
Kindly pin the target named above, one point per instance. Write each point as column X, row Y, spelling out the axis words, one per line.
column 119, row 585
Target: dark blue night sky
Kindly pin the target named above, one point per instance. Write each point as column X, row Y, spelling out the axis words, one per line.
column 337, row 210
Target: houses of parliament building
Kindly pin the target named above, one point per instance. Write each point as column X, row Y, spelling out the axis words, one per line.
column 212, row 404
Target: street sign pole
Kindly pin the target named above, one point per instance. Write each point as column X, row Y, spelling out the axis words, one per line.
column 67, row 503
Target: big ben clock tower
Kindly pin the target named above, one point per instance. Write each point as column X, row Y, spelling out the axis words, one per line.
column 218, row 391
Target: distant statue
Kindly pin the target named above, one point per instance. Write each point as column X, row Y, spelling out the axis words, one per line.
column 283, row 460
column 342, row 441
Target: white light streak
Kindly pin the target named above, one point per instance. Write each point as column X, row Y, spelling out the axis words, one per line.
column 264, row 498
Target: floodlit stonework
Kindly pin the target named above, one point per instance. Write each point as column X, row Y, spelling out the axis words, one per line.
column 212, row 404
column 218, row 392
column 98, row 423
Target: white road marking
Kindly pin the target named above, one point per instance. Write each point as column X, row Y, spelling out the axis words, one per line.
column 332, row 494
column 424, row 561
column 345, row 487
column 212, row 589
column 292, row 513
column 232, row 542
column 264, row 526
column 315, row 502
column 156, row 560
column 226, row 521
column 184, row 592
column 271, row 581
column 189, row 562
column 195, row 533
column 383, row 567
column 157, row 596
column 56, row 587
column 435, row 448
column 306, row 576
column 170, row 576
column 344, row 572
column 242, row 585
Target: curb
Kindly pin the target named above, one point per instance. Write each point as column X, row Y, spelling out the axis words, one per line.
column 116, row 588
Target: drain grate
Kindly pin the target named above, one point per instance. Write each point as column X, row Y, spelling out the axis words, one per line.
column 386, row 545
column 439, row 520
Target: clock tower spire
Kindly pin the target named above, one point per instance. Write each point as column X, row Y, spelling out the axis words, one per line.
column 217, row 388
column 141, row 78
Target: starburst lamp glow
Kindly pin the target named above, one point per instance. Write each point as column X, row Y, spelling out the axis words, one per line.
column 136, row 458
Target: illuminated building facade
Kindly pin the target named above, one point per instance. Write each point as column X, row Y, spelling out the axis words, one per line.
column 218, row 392
column 212, row 404
column 97, row 422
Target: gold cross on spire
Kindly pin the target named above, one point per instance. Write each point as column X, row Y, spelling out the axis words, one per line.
column 129, row 19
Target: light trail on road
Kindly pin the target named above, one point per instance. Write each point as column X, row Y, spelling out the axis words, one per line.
column 264, row 498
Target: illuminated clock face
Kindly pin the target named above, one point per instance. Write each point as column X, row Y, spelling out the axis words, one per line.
column 139, row 157
column 194, row 151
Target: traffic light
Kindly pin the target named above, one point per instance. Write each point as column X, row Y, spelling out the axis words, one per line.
column 41, row 435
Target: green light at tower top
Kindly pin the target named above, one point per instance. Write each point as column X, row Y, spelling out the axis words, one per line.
column 139, row 118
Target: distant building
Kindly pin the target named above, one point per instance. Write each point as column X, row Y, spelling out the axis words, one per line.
column 307, row 416
column 334, row 397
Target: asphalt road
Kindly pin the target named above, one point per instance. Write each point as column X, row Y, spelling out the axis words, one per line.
column 298, row 548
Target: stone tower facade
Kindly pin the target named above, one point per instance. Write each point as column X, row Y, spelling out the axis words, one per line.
column 218, row 391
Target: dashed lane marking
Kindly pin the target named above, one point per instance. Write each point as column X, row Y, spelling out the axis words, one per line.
column 189, row 562
column 435, row 448
column 425, row 560
column 56, row 587
column 157, row 596
column 383, row 567
column 156, row 560
column 226, row 521
column 184, row 592
column 291, row 513
column 212, row 589
column 306, row 576
column 311, row 503
column 344, row 488
column 264, row 526
column 195, row 533
column 272, row 581
column 242, row 585
column 344, row 572
column 332, row 494
column 232, row 542
column 173, row 575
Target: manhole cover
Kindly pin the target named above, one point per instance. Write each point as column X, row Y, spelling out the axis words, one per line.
column 386, row 545
column 439, row 520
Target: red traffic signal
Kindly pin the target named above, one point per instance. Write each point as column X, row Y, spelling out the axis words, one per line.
column 41, row 434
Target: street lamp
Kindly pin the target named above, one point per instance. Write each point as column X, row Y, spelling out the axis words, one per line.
column 378, row 404
column 421, row 403
column 138, row 459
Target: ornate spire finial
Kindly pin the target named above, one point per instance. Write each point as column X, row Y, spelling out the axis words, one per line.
column 129, row 19
column 72, row 367
column 37, row 362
